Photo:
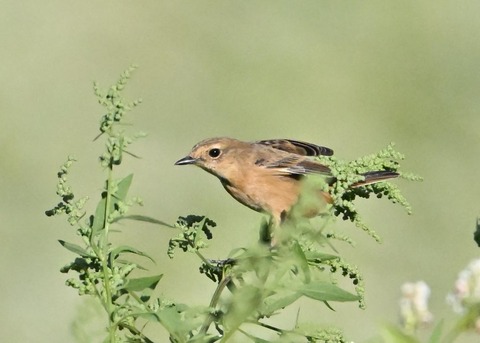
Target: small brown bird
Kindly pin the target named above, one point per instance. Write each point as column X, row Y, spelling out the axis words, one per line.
column 266, row 175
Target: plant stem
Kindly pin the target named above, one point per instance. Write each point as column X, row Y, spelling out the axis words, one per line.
column 104, row 257
column 213, row 303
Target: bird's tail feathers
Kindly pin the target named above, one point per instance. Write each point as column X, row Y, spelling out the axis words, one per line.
column 376, row 176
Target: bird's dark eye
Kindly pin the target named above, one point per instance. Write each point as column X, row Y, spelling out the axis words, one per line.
column 214, row 152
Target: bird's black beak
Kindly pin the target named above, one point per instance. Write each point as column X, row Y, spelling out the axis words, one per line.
column 185, row 160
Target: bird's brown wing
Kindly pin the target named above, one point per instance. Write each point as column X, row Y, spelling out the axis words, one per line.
column 293, row 165
column 297, row 147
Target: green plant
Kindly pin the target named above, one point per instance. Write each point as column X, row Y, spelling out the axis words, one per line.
column 261, row 281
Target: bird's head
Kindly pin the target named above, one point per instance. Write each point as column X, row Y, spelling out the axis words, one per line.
column 214, row 155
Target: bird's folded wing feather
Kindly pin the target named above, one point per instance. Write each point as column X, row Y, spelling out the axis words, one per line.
column 292, row 165
column 297, row 147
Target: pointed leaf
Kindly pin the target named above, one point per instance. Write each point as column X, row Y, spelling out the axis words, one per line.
column 140, row 284
column 147, row 315
column 325, row 291
column 280, row 303
column 314, row 256
column 75, row 248
column 245, row 301
column 172, row 320
column 437, row 333
column 302, row 261
column 259, row 340
column 396, row 335
column 142, row 218
column 127, row 249
column 476, row 235
column 99, row 218
column 328, row 305
column 125, row 262
column 123, row 186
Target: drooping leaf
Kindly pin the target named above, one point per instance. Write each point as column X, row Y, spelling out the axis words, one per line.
column 140, row 284
column 325, row 291
column 142, row 218
column 127, row 249
column 75, row 248
column 329, row 306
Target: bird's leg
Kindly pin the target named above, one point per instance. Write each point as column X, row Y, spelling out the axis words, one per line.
column 265, row 234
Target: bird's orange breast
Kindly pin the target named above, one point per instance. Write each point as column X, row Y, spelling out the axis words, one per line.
column 264, row 192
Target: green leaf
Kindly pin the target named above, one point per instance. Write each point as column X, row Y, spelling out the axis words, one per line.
column 171, row 320
column 75, row 248
column 123, row 186
column 180, row 320
column 127, row 249
column 126, row 262
column 170, row 317
column 148, row 316
column 314, row 256
column 245, row 301
column 302, row 261
column 279, row 303
column 258, row 340
column 393, row 334
column 324, row 291
column 237, row 252
column 142, row 218
column 98, row 222
column 476, row 234
column 99, row 219
column 140, row 284
column 436, row 335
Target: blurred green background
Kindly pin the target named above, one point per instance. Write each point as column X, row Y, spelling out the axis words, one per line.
column 351, row 75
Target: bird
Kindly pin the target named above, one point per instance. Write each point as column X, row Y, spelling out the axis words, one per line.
column 267, row 175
